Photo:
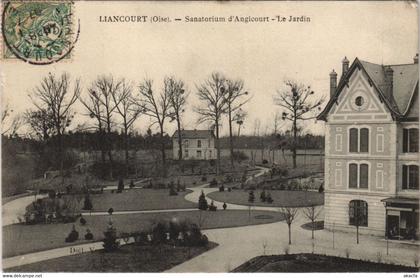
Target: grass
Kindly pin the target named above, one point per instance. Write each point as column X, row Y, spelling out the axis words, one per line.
column 129, row 258
column 282, row 198
column 20, row 239
column 316, row 263
column 140, row 199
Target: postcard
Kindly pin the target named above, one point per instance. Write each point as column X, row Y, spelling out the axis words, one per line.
column 209, row 137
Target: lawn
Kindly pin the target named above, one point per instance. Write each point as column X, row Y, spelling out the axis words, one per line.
column 129, row 258
column 140, row 199
column 281, row 198
column 316, row 263
column 21, row 239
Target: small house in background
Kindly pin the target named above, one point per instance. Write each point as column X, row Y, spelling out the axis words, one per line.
column 196, row 144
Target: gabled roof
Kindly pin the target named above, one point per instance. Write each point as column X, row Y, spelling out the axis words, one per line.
column 398, row 99
column 194, row 134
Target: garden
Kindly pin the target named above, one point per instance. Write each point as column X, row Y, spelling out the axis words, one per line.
column 21, row 237
column 317, row 263
column 269, row 198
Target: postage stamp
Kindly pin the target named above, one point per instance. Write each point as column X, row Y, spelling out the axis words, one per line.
column 38, row 32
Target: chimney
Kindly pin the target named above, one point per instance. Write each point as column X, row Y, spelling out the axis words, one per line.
column 416, row 59
column 333, row 83
column 389, row 78
column 345, row 66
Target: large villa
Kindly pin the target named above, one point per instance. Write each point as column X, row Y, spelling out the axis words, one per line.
column 372, row 149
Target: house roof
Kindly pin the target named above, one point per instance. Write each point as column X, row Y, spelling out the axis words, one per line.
column 398, row 98
column 194, row 134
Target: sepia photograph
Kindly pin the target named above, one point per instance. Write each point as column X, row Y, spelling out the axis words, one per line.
column 209, row 137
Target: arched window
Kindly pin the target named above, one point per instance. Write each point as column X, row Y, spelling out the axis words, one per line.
column 358, row 213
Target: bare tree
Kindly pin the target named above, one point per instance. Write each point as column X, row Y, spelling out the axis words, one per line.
column 157, row 107
column 290, row 215
column 101, row 106
column 312, row 214
column 276, row 123
column 212, row 94
column 234, row 101
column 178, row 100
column 10, row 124
column 54, row 99
column 298, row 106
column 127, row 108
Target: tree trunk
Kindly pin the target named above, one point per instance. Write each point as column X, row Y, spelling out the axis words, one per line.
column 109, row 147
column 179, row 137
column 126, row 147
column 162, row 142
column 313, row 227
column 294, row 142
column 217, row 148
column 290, row 233
column 231, row 138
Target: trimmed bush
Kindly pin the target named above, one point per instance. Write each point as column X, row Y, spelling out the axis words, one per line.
column 82, row 221
column 202, row 202
column 213, row 182
column 88, row 235
column 73, row 235
column 87, row 204
column 120, row 185
column 110, row 242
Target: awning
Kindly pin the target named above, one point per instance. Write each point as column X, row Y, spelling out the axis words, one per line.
column 401, row 201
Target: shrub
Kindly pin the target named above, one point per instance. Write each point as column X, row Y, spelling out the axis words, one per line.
column 87, row 204
column 262, row 196
column 88, row 235
column 141, row 238
column 239, row 156
column 110, row 242
column 204, row 178
column 131, row 184
column 195, row 237
column 321, row 188
column 221, row 188
column 120, row 185
column 268, row 198
column 73, row 235
column 228, row 178
column 224, row 206
column 265, row 161
column 212, row 162
column 202, row 202
column 172, row 191
column 212, row 207
column 159, row 233
column 251, row 197
column 82, row 221
column 213, row 182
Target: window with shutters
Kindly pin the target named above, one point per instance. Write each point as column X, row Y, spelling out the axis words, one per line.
column 358, row 176
column 198, row 143
column 410, row 140
column 410, row 177
column 359, row 140
column 358, row 213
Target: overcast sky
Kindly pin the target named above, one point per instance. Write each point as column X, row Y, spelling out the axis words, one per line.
column 263, row 55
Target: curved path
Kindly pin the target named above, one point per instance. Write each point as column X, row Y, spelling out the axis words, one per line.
column 238, row 245
column 13, row 210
